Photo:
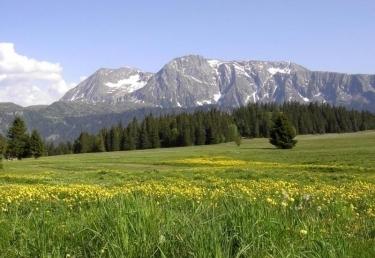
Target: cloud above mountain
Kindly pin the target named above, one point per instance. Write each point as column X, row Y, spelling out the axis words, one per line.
column 27, row 81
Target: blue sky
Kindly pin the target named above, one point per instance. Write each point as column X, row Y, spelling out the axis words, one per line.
column 83, row 36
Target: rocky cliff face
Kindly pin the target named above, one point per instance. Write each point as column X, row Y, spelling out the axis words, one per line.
column 108, row 86
column 192, row 81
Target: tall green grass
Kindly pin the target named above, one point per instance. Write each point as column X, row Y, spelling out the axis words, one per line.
column 136, row 226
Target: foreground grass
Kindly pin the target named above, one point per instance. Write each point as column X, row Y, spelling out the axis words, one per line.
column 317, row 200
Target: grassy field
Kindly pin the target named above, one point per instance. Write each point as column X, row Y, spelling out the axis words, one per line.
column 316, row 200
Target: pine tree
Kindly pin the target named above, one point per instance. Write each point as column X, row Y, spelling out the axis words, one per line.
column 234, row 134
column 127, row 139
column 99, row 144
column 130, row 136
column 36, row 144
column 200, row 135
column 144, row 140
column 153, row 132
column 282, row 133
column 106, row 139
column 84, row 143
column 186, row 136
column 174, row 137
column 18, row 140
column 155, row 141
column 124, row 135
column 115, row 139
column 134, row 134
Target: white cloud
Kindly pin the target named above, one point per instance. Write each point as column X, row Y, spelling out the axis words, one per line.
column 27, row 81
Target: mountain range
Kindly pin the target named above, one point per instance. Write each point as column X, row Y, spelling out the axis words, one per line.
column 112, row 95
column 192, row 81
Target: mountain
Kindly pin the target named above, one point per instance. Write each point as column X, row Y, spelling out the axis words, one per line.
column 192, row 81
column 110, row 96
column 109, row 86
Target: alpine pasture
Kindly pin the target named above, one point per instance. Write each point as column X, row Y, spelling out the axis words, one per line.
column 316, row 200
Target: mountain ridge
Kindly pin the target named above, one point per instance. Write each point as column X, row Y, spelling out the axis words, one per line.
column 194, row 80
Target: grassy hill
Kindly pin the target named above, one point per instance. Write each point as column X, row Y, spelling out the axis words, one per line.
column 316, row 200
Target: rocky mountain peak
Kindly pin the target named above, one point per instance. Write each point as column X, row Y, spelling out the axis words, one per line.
column 108, row 85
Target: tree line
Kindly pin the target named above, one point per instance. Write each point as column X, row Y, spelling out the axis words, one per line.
column 214, row 126
column 197, row 128
column 256, row 120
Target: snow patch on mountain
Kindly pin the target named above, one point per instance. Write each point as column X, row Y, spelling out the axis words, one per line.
column 247, row 99
column 133, row 83
column 239, row 68
column 217, row 96
column 318, row 94
column 204, row 102
column 214, row 63
column 254, row 96
column 304, row 98
column 275, row 70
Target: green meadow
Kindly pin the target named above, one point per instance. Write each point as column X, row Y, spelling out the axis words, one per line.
column 316, row 200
